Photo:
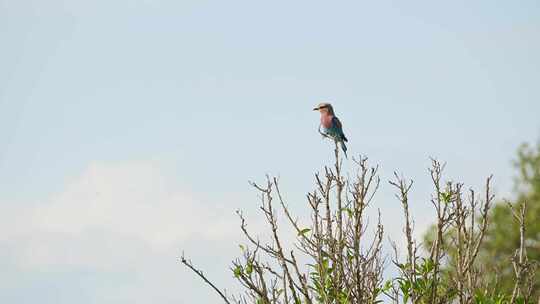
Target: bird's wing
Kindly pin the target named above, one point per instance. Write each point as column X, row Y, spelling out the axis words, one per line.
column 336, row 123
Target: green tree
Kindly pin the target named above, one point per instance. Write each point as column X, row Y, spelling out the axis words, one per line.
column 503, row 233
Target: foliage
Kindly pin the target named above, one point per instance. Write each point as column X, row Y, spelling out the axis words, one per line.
column 497, row 255
column 333, row 261
column 503, row 234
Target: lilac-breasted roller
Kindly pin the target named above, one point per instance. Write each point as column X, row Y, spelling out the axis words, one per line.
column 331, row 126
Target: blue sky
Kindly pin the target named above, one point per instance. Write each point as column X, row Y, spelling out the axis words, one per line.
column 129, row 129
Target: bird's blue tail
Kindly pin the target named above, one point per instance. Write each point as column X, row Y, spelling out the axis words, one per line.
column 344, row 148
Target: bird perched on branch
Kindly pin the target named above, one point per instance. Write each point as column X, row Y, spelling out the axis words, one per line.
column 331, row 126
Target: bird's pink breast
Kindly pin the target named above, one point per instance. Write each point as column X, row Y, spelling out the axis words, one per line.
column 326, row 121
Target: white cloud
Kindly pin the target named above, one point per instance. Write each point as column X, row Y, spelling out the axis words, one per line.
column 109, row 217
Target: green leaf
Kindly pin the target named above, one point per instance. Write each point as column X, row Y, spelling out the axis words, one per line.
column 249, row 268
column 348, row 210
column 405, row 287
column 237, row 271
column 446, row 197
column 387, row 286
column 303, row 231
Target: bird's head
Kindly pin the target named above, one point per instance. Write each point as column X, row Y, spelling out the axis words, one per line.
column 324, row 108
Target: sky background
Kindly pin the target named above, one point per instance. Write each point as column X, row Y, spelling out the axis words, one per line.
column 129, row 129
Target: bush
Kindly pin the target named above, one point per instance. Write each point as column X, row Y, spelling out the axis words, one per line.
column 344, row 265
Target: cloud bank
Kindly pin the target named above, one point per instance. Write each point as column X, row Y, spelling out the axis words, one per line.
column 114, row 219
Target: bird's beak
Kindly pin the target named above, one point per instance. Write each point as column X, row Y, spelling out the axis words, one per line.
column 315, row 109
